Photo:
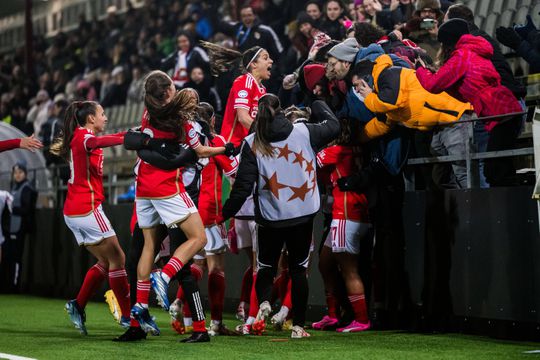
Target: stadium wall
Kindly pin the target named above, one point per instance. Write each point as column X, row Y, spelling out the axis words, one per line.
column 470, row 254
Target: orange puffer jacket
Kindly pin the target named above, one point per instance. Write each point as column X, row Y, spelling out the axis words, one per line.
column 400, row 96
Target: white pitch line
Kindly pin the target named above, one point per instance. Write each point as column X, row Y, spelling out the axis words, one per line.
column 14, row 357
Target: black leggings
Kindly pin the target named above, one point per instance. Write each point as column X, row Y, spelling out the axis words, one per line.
column 297, row 238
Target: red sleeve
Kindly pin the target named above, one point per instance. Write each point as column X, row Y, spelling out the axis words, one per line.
column 241, row 91
column 447, row 75
column 92, row 142
column 9, row 144
column 328, row 156
column 229, row 165
column 192, row 138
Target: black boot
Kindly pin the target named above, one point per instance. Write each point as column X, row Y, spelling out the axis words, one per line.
column 131, row 334
column 197, row 337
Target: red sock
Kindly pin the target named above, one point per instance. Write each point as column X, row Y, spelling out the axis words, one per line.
column 247, row 282
column 277, row 287
column 118, row 282
column 358, row 303
column 216, row 294
column 172, row 267
column 199, row 326
column 134, row 323
column 92, row 281
column 253, row 302
column 143, row 291
column 287, row 299
column 331, row 303
column 197, row 272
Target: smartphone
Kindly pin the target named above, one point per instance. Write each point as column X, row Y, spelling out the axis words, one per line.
column 427, row 24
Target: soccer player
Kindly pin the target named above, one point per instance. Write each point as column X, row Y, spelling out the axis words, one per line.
column 240, row 112
column 350, row 225
column 83, row 212
column 28, row 143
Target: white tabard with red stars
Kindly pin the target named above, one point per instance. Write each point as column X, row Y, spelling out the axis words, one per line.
column 287, row 184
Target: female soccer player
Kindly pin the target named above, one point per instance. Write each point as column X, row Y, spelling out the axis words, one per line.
column 280, row 158
column 240, row 112
column 83, row 213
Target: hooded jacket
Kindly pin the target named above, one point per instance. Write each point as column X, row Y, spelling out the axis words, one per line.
column 400, row 96
column 470, row 76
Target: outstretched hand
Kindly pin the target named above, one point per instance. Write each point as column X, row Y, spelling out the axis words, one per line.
column 30, row 143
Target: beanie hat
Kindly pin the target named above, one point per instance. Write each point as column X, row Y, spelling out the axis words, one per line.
column 313, row 74
column 428, row 4
column 358, row 2
column 524, row 30
column 303, row 18
column 21, row 165
column 451, row 31
column 346, row 50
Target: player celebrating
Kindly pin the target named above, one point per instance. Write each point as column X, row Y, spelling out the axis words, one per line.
column 83, row 213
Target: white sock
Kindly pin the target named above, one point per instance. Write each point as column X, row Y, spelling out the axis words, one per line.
column 188, row 321
column 250, row 320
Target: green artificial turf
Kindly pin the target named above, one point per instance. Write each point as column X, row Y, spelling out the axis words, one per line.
column 39, row 328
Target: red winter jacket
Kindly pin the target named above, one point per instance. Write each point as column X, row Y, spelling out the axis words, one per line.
column 469, row 75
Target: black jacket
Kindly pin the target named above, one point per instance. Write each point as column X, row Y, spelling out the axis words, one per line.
column 323, row 131
column 196, row 57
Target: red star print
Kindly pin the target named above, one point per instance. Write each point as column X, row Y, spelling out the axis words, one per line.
column 299, row 192
column 299, row 158
column 309, row 167
column 273, row 185
column 284, row 152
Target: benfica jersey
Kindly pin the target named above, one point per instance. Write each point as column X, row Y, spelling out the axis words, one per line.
column 344, row 161
column 245, row 94
column 153, row 182
column 211, row 184
column 85, row 186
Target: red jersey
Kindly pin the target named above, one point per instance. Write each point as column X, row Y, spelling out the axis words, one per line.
column 85, row 186
column 211, row 183
column 153, row 182
column 9, row 144
column 345, row 161
column 245, row 94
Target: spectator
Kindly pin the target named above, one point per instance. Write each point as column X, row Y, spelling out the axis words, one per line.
column 39, row 113
column 22, row 224
column 314, row 10
column 332, row 24
column 424, row 25
column 186, row 58
column 202, row 83
column 84, row 91
column 53, row 127
column 6, row 201
column 135, row 90
column 468, row 73
column 524, row 40
column 117, row 92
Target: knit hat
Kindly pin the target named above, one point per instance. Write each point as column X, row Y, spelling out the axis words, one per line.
column 429, row 4
column 451, row 31
column 21, row 165
column 346, row 50
column 303, row 18
column 313, row 74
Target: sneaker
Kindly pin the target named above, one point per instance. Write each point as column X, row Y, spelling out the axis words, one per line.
column 264, row 310
column 298, row 332
column 177, row 317
column 355, row 326
column 326, row 322
column 134, row 333
column 114, row 307
column 160, row 287
column 125, row 322
column 278, row 320
column 197, row 337
column 178, row 326
column 241, row 313
column 146, row 321
column 221, row 329
column 258, row 327
column 243, row 329
column 77, row 316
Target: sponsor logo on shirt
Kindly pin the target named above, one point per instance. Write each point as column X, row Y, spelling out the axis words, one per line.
column 242, row 94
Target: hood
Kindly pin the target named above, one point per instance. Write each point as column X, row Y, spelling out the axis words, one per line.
column 381, row 63
column 371, row 52
column 476, row 44
column 280, row 128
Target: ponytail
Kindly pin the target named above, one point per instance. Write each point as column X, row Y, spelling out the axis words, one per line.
column 269, row 106
column 224, row 60
column 76, row 115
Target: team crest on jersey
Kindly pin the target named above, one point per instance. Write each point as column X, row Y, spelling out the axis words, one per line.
column 242, row 94
column 192, row 133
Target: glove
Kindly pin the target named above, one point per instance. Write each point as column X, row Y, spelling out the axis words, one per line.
column 524, row 30
column 230, row 150
column 359, row 182
column 166, row 148
column 135, row 140
column 508, row 37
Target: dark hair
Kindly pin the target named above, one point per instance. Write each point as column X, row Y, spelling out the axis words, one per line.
column 223, row 60
column 460, row 11
column 205, row 111
column 314, row 2
column 189, row 37
column 320, row 57
column 367, row 33
column 269, row 107
column 76, row 115
column 345, row 137
column 340, row 3
column 168, row 117
column 293, row 113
